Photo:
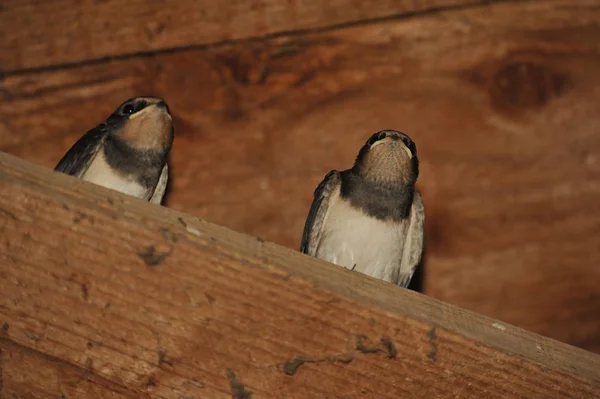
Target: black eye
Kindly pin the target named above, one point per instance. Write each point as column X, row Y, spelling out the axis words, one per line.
column 128, row 109
column 375, row 138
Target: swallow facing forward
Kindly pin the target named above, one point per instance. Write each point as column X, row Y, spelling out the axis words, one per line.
column 370, row 218
column 128, row 151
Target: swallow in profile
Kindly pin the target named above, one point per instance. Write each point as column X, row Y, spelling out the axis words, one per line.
column 128, row 151
column 370, row 218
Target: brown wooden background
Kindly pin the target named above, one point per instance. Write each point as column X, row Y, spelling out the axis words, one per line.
column 501, row 97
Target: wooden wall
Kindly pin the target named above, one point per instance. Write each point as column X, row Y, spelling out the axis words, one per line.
column 501, row 97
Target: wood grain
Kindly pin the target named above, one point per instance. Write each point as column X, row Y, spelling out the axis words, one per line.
column 503, row 111
column 28, row 373
column 223, row 314
column 36, row 34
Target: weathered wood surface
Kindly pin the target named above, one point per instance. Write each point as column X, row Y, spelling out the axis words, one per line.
column 504, row 110
column 36, row 34
column 106, row 294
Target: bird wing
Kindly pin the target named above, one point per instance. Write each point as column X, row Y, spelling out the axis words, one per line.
column 161, row 186
column 318, row 210
column 412, row 252
column 80, row 156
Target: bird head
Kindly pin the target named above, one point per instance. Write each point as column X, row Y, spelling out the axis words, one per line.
column 144, row 123
column 388, row 157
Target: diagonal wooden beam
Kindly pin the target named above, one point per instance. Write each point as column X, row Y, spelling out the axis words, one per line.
column 106, row 294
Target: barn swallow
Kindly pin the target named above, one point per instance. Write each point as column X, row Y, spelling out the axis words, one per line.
column 128, row 151
column 370, row 218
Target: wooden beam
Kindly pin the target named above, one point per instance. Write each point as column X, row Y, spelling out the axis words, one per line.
column 105, row 293
column 37, row 34
column 503, row 110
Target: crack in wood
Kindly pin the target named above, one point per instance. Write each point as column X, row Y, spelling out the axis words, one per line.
column 217, row 44
column 290, row 368
column 431, row 334
column 387, row 347
column 81, row 371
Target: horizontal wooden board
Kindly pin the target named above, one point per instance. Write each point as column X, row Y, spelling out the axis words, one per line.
column 105, row 293
column 37, row 34
column 503, row 111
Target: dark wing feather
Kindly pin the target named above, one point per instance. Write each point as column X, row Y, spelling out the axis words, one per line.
column 78, row 158
column 413, row 241
column 318, row 209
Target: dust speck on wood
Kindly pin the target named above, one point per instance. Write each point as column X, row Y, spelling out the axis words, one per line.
column 151, row 256
column 168, row 236
column 33, row 337
column 163, row 359
column 79, row 216
column 85, row 291
column 433, row 342
column 238, row 391
column 292, row 366
column 8, row 214
column 389, row 347
column 150, row 382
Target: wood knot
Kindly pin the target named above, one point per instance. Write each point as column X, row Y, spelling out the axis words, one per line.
column 523, row 85
column 247, row 66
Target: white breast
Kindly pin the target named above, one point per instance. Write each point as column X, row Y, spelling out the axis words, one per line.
column 353, row 240
column 102, row 174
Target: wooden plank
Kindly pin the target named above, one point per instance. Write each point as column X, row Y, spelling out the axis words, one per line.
column 36, row 34
column 503, row 111
column 153, row 301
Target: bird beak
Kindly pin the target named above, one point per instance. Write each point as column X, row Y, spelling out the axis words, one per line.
column 399, row 142
column 405, row 148
column 153, row 107
column 382, row 141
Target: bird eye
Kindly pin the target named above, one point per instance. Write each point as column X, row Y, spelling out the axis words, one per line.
column 374, row 138
column 128, row 109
